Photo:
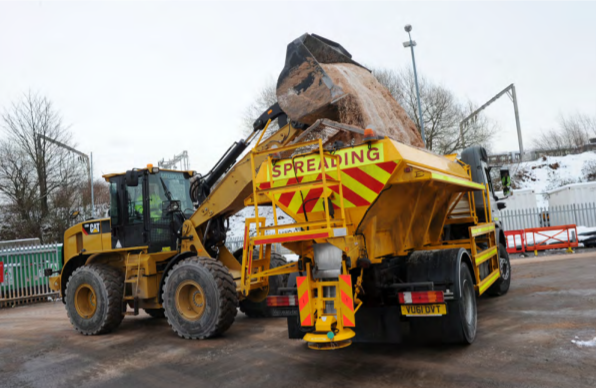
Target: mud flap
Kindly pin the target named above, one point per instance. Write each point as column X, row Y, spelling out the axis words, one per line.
column 378, row 325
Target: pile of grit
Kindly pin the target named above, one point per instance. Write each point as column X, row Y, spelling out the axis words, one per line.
column 368, row 103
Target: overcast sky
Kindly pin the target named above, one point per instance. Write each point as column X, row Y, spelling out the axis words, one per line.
column 138, row 82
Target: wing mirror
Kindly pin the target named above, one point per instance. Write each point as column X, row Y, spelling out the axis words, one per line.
column 132, row 178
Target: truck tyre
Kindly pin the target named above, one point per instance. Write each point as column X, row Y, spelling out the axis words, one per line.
column 155, row 313
column 259, row 309
column 461, row 318
column 459, row 325
column 501, row 286
column 199, row 298
column 94, row 299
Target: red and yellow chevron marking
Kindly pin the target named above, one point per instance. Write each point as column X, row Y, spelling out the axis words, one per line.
column 305, row 301
column 347, row 301
column 364, row 173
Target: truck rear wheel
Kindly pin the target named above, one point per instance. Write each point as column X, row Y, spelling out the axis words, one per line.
column 259, row 309
column 199, row 298
column 461, row 319
column 94, row 299
column 459, row 325
column 501, row 286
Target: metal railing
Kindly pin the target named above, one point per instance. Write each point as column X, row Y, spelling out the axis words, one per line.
column 236, row 243
column 22, row 279
column 582, row 214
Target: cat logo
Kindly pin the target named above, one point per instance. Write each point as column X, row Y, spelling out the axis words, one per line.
column 91, row 228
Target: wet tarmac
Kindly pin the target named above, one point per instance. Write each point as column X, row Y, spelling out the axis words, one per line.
column 525, row 339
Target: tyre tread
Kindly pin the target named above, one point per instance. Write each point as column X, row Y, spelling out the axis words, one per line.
column 228, row 300
column 113, row 280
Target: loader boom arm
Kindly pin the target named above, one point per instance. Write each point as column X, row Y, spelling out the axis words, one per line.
column 227, row 197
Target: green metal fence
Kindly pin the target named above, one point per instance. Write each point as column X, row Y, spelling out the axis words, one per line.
column 22, row 277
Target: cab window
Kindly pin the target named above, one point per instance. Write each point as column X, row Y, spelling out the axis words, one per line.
column 114, row 203
column 134, row 199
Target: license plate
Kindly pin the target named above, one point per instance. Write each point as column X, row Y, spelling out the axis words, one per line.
column 280, row 312
column 423, row 310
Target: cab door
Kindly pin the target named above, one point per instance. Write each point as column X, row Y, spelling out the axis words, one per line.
column 128, row 211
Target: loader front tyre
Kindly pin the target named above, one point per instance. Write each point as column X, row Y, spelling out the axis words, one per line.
column 94, row 299
column 199, row 298
column 259, row 309
column 155, row 313
column 501, row 286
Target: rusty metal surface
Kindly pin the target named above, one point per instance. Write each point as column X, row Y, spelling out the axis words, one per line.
column 524, row 340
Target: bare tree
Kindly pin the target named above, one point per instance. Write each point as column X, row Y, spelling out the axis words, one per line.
column 18, row 186
column 441, row 111
column 551, row 139
column 39, row 181
column 265, row 97
column 28, row 123
column 572, row 131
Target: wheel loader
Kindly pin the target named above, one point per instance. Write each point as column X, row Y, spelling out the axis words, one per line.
column 388, row 236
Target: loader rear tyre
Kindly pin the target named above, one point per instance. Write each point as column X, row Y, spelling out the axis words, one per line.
column 155, row 313
column 459, row 325
column 94, row 299
column 501, row 286
column 259, row 308
column 199, row 298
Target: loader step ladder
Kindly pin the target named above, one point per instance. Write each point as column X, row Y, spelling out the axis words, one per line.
column 134, row 287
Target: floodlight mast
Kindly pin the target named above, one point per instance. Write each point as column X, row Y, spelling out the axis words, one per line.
column 88, row 159
column 411, row 44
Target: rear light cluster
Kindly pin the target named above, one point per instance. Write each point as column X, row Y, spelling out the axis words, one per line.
column 282, row 301
column 421, row 297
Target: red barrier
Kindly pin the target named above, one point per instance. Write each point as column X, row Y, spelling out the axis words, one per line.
column 560, row 240
column 513, row 248
column 1, row 272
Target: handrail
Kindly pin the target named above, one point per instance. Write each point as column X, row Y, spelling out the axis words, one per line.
column 323, row 183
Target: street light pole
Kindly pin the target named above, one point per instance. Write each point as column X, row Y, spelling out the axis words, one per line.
column 411, row 45
column 92, row 196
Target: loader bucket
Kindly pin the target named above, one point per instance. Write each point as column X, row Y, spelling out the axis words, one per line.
column 305, row 92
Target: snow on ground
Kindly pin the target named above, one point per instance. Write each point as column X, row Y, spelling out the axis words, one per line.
column 236, row 227
column 291, row 257
column 588, row 344
column 550, row 172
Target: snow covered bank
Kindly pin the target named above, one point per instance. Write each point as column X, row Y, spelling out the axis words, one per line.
column 551, row 172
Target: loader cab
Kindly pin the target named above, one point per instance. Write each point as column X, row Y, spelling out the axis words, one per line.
column 148, row 207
